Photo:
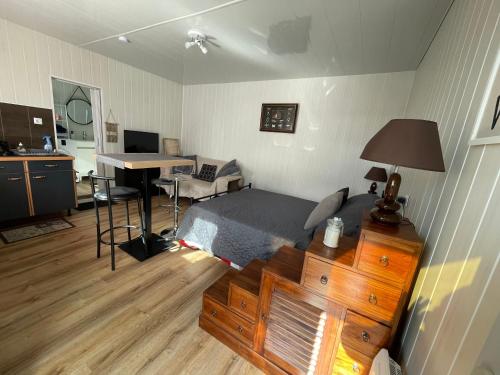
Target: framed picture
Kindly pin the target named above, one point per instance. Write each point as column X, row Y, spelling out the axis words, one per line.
column 487, row 128
column 278, row 117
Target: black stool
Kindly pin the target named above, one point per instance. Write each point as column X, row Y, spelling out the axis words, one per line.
column 114, row 195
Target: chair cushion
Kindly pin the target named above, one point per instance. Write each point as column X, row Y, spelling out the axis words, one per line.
column 162, row 181
column 118, row 193
column 207, row 173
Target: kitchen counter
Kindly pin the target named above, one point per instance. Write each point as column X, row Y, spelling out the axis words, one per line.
column 35, row 158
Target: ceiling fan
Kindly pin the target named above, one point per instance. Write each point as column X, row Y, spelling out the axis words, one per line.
column 199, row 39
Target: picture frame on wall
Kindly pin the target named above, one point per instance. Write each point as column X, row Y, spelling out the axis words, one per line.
column 279, row 117
column 487, row 127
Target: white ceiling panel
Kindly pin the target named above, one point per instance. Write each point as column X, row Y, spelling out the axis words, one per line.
column 257, row 39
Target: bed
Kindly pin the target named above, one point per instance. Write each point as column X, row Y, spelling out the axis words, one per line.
column 254, row 223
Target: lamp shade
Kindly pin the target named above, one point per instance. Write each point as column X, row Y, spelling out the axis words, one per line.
column 377, row 174
column 408, row 143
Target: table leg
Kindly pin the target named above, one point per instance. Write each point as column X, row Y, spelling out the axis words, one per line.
column 147, row 208
column 152, row 244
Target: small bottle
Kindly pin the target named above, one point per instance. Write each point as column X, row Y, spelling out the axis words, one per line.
column 20, row 147
column 333, row 232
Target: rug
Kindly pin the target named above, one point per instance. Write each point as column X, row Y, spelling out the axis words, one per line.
column 34, row 230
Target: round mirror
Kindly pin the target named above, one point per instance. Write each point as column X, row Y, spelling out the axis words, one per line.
column 79, row 111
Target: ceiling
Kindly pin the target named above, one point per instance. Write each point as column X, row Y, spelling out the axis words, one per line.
column 257, row 39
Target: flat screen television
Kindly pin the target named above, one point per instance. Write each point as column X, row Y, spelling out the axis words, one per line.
column 141, row 142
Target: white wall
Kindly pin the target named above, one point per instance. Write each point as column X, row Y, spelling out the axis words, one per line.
column 139, row 100
column 455, row 300
column 337, row 116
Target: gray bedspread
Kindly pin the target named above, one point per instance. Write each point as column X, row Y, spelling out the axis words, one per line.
column 247, row 224
column 254, row 223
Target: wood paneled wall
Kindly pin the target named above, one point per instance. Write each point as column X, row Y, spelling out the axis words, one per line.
column 336, row 117
column 139, row 100
column 455, row 300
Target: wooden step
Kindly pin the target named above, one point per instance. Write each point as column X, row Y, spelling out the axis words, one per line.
column 219, row 290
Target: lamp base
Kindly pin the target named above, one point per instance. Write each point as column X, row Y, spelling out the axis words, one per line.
column 386, row 212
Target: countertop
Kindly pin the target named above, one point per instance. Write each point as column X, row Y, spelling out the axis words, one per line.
column 34, row 158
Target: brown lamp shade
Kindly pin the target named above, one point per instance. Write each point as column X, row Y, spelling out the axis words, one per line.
column 377, row 174
column 407, row 143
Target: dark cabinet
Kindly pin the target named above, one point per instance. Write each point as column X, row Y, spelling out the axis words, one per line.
column 52, row 191
column 13, row 196
column 35, row 187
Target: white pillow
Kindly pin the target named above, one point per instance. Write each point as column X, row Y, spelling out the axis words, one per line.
column 326, row 208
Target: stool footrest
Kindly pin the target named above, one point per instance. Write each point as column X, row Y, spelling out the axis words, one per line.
column 119, row 227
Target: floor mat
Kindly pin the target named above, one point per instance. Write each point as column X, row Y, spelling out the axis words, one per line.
column 34, row 230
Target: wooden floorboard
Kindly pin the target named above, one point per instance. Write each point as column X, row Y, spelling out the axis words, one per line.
column 63, row 311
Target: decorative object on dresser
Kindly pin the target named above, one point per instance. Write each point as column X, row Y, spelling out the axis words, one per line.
column 280, row 118
column 376, row 174
column 407, row 143
column 325, row 311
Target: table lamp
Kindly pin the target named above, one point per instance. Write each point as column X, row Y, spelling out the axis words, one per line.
column 407, row 143
column 376, row 174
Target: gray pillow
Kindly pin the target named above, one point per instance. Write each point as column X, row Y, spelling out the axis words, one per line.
column 326, row 208
column 230, row 168
column 186, row 169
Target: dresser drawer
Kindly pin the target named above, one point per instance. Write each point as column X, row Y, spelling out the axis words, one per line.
column 232, row 323
column 11, row 167
column 50, row 165
column 385, row 261
column 243, row 302
column 349, row 361
column 360, row 293
column 363, row 334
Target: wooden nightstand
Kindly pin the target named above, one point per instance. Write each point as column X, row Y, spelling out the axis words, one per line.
column 323, row 311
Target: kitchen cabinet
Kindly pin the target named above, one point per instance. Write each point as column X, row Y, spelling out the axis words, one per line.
column 31, row 186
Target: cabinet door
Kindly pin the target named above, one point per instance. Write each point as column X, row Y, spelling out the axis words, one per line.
column 13, row 196
column 299, row 328
column 52, row 191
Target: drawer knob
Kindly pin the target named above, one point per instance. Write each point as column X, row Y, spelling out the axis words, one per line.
column 214, row 313
column 372, row 299
column 263, row 317
column 14, row 178
column 365, row 336
column 50, row 165
column 39, row 177
column 243, row 305
column 355, row 367
column 323, row 280
column 384, row 260
column 240, row 330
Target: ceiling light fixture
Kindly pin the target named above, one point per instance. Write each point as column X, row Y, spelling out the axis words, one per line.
column 123, row 39
column 198, row 39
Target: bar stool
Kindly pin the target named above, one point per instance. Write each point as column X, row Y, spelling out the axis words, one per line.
column 112, row 195
column 159, row 182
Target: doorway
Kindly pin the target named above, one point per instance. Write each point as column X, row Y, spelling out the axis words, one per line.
column 78, row 123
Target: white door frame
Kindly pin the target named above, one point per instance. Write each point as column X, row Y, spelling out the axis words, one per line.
column 98, row 127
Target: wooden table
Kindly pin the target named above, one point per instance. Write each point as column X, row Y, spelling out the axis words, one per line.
column 152, row 243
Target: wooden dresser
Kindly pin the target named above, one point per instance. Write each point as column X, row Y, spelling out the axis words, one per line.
column 323, row 311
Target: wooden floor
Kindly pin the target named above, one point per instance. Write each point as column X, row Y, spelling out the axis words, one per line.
column 62, row 311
